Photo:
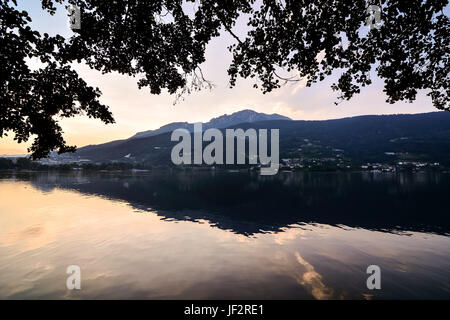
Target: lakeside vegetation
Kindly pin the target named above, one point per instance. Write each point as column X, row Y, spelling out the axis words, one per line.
column 26, row 164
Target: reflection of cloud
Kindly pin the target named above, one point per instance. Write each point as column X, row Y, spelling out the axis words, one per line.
column 367, row 296
column 30, row 235
column 288, row 235
column 33, row 231
column 313, row 280
column 242, row 238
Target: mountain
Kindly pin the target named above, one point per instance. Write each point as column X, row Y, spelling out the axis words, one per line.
column 224, row 121
column 244, row 116
column 166, row 128
column 372, row 138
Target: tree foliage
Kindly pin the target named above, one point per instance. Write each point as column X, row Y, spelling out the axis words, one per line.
column 32, row 101
column 410, row 50
column 163, row 42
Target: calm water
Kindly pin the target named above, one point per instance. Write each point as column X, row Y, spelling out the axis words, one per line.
column 224, row 235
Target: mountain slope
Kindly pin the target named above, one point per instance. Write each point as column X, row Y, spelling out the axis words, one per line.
column 363, row 138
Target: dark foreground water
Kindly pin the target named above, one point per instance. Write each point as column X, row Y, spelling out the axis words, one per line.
column 228, row 235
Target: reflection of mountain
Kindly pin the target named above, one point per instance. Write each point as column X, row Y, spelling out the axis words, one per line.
column 249, row 204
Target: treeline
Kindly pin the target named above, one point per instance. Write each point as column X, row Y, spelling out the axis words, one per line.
column 19, row 163
column 27, row 164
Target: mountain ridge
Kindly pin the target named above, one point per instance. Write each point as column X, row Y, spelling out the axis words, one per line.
column 219, row 122
column 423, row 136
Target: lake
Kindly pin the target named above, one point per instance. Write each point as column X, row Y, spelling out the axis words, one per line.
column 224, row 235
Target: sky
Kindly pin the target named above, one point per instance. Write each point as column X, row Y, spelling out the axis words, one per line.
column 138, row 110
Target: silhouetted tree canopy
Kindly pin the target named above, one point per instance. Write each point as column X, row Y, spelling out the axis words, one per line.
column 163, row 42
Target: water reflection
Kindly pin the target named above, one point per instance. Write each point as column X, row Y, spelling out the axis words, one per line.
column 204, row 235
column 250, row 204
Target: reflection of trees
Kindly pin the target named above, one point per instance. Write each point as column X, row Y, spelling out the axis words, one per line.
column 250, row 203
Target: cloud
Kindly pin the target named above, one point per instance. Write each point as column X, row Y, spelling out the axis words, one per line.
column 301, row 84
column 288, row 111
